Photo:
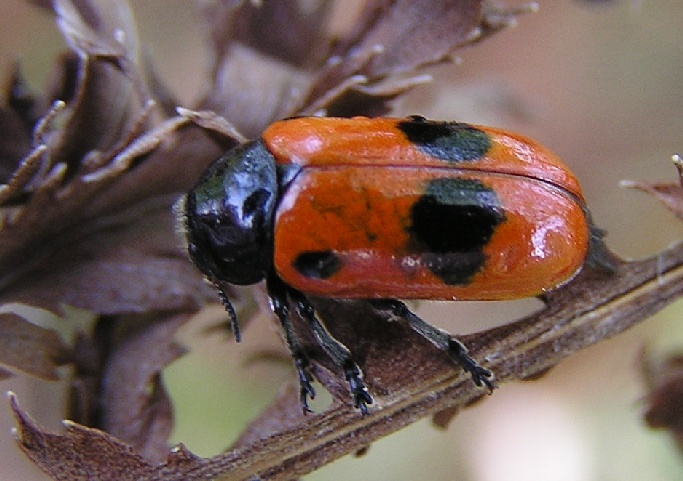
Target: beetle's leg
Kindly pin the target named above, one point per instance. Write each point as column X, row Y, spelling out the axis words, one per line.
column 277, row 292
column 441, row 339
column 339, row 354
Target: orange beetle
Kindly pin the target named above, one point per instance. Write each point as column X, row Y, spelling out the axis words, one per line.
column 382, row 209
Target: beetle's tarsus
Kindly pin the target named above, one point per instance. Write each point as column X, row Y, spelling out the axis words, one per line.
column 361, row 397
column 480, row 375
column 306, row 390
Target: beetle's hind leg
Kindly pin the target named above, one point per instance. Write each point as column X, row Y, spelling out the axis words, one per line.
column 441, row 339
column 279, row 294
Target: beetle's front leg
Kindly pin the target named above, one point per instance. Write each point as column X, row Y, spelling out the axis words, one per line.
column 339, row 354
column 277, row 292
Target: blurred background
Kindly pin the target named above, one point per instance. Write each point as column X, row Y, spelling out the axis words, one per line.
column 601, row 83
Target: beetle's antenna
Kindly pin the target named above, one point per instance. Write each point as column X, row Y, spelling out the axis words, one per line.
column 234, row 324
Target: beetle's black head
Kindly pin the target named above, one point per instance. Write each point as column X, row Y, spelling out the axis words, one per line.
column 229, row 216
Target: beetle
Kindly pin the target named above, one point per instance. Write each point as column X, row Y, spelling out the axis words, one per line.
column 386, row 209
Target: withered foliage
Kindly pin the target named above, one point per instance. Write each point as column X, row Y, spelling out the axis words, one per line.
column 664, row 399
column 665, row 396
column 90, row 168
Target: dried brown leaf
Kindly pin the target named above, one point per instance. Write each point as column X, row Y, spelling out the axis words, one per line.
column 398, row 38
column 19, row 113
column 96, row 239
column 29, row 348
column 94, row 454
column 90, row 123
column 98, row 27
column 133, row 267
column 408, row 34
column 664, row 402
column 381, row 58
column 252, row 90
column 286, row 30
column 135, row 406
column 14, row 142
column 259, row 59
column 354, row 96
column 498, row 17
column 103, row 35
column 91, row 222
column 392, row 42
column 669, row 194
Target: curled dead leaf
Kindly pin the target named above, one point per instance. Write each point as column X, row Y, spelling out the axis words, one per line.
column 133, row 366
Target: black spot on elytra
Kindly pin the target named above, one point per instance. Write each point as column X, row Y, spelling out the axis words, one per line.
column 451, row 224
column 317, row 264
column 449, row 141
